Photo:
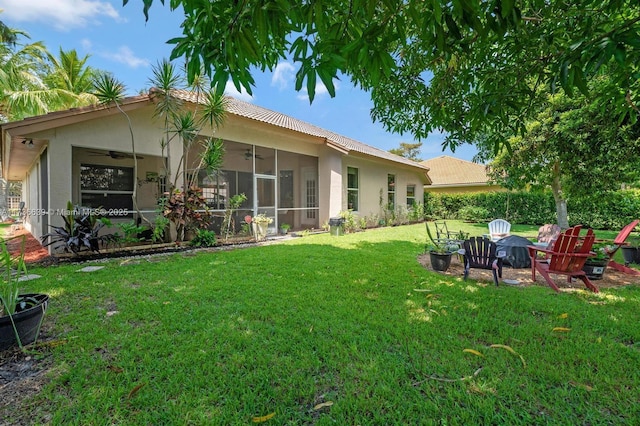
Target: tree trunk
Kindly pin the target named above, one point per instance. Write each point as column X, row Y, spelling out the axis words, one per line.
column 561, row 203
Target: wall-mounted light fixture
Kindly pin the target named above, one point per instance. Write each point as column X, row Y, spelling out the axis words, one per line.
column 28, row 143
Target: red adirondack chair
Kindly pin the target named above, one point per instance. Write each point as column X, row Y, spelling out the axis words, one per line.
column 619, row 242
column 566, row 257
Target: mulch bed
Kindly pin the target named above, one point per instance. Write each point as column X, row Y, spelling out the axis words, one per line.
column 33, row 250
column 611, row 277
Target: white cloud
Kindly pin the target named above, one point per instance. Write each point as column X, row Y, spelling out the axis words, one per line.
column 321, row 91
column 230, row 90
column 283, row 75
column 60, row 14
column 124, row 55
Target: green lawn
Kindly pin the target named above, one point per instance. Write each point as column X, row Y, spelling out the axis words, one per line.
column 353, row 322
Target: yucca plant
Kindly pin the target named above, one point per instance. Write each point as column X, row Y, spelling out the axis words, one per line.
column 12, row 267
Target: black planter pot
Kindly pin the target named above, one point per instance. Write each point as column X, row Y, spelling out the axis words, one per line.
column 631, row 255
column 595, row 268
column 440, row 261
column 27, row 322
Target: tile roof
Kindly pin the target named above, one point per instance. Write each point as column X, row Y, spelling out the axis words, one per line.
column 450, row 171
column 254, row 112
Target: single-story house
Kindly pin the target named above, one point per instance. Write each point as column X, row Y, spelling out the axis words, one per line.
column 292, row 171
column 453, row 175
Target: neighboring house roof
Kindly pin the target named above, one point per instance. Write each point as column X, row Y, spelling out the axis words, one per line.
column 449, row 171
column 234, row 106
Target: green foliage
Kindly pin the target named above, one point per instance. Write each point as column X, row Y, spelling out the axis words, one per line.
column 203, row 238
column 349, row 222
column 12, row 268
column 130, row 231
column 228, row 224
column 408, row 150
column 416, row 212
column 81, row 231
column 473, row 214
column 611, row 210
column 425, row 62
column 160, row 224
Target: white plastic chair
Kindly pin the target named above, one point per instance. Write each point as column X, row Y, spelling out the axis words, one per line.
column 498, row 229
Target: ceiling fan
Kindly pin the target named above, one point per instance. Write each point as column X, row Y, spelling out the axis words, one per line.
column 249, row 154
column 114, row 154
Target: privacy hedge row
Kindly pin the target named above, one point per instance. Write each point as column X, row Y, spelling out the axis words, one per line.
column 611, row 210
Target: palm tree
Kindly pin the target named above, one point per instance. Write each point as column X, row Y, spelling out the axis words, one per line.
column 34, row 82
column 22, row 91
column 71, row 78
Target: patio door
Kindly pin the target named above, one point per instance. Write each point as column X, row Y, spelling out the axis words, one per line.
column 265, row 199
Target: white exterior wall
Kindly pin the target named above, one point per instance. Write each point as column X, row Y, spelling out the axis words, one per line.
column 105, row 133
column 372, row 176
column 330, row 175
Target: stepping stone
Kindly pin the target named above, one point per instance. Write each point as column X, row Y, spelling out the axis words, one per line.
column 29, row 277
column 90, row 269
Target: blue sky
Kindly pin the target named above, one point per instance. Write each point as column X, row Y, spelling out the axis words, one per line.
column 119, row 40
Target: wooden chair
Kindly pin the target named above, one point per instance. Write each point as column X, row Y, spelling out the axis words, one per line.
column 618, row 242
column 480, row 252
column 499, row 228
column 566, row 257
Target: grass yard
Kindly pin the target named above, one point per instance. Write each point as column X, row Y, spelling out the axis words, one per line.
column 326, row 330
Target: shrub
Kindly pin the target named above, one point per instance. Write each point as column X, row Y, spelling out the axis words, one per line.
column 203, row 238
column 610, row 210
column 473, row 214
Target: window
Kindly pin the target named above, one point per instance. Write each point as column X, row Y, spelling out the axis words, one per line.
column 411, row 195
column 352, row 188
column 391, row 192
column 109, row 187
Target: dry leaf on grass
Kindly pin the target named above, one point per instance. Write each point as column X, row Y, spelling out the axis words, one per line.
column 263, row 419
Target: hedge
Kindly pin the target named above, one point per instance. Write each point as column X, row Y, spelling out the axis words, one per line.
column 611, row 210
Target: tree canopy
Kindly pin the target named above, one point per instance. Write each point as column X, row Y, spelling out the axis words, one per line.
column 572, row 147
column 34, row 82
column 408, row 150
column 466, row 67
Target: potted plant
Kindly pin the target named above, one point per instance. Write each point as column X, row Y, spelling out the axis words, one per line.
column 284, row 228
column 631, row 252
column 439, row 252
column 596, row 265
column 20, row 314
column 260, row 224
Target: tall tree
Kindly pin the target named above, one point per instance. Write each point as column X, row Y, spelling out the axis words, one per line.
column 21, row 85
column 573, row 147
column 110, row 92
column 408, row 150
column 71, row 78
column 468, row 67
column 34, row 82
